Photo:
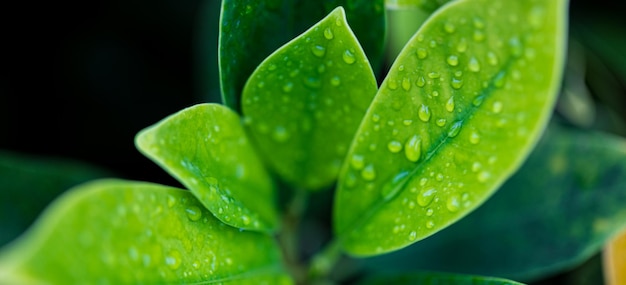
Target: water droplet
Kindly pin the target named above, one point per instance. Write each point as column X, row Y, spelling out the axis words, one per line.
column 536, row 17
column 426, row 196
column 318, row 50
column 432, row 44
column 474, row 138
column 492, row 58
column 424, row 113
column 420, row 82
column 441, row 122
column 328, row 34
column 497, row 107
column 448, row 27
column 394, row 146
column 401, row 67
column 435, row 93
column 476, row 166
column 478, row 100
column 462, row 45
column 368, row 173
column 272, row 67
column 499, row 79
column 288, row 87
column 430, row 224
column 392, row 189
column 422, row 53
column 516, row 47
column 412, row 236
column 455, row 129
column 335, row 81
column 479, row 36
column 348, row 57
column 172, row 260
column 350, row 180
column 193, row 213
column 473, row 65
column 312, row 82
column 483, row 176
column 294, row 73
column 392, row 84
column 456, row 83
column 450, row 104
column 429, row 212
column 357, row 162
column 171, row 201
column 453, row 60
column 434, row 75
column 406, row 84
column 454, row 203
column 280, row 134
column 439, row 177
column 413, row 148
column 321, row 68
column 407, row 122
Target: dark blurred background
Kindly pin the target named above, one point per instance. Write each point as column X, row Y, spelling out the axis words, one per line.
column 80, row 79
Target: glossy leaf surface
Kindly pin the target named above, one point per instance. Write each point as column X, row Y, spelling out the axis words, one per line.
column 126, row 232
column 28, row 183
column 251, row 30
column 305, row 101
column 557, row 211
column 460, row 109
column 206, row 149
column 434, row 278
column 426, row 5
column 614, row 259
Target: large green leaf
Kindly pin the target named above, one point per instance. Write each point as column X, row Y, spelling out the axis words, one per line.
column 460, row 109
column 305, row 101
column 434, row 278
column 252, row 29
column 29, row 182
column 127, row 232
column 559, row 209
column 206, row 149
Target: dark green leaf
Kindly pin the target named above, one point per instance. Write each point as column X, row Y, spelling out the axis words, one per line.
column 459, row 111
column 28, row 183
column 305, row 101
column 557, row 211
column 126, row 232
column 206, row 149
column 252, row 29
column 434, row 278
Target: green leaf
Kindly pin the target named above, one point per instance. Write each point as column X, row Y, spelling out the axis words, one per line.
column 126, row 232
column 206, row 149
column 426, row 5
column 460, row 109
column 252, row 29
column 558, row 210
column 435, row 278
column 304, row 103
column 29, row 182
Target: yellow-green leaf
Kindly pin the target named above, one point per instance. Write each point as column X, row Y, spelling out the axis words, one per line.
column 206, row 149
column 128, row 232
column 461, row 107
column 304, row 103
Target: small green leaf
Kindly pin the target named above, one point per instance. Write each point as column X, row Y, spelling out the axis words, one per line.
column 460, row 109
column 426, row 5
column 561, row 207
column 127, row 232
column 251, row 30
column 304, row 103
column 434, row 278
column 28, row 183
column 206, row 149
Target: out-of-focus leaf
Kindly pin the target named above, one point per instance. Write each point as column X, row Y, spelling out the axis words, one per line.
column 434, row 278
column 206, row 149
column 556, row 212
column 127, row 232
column 459, row 111
column 615, row 260
column 252, row 29
column 28, row 183
column 305, row 101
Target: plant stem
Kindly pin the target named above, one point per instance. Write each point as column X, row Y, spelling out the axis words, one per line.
column 288, row 236
column 324, row 261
